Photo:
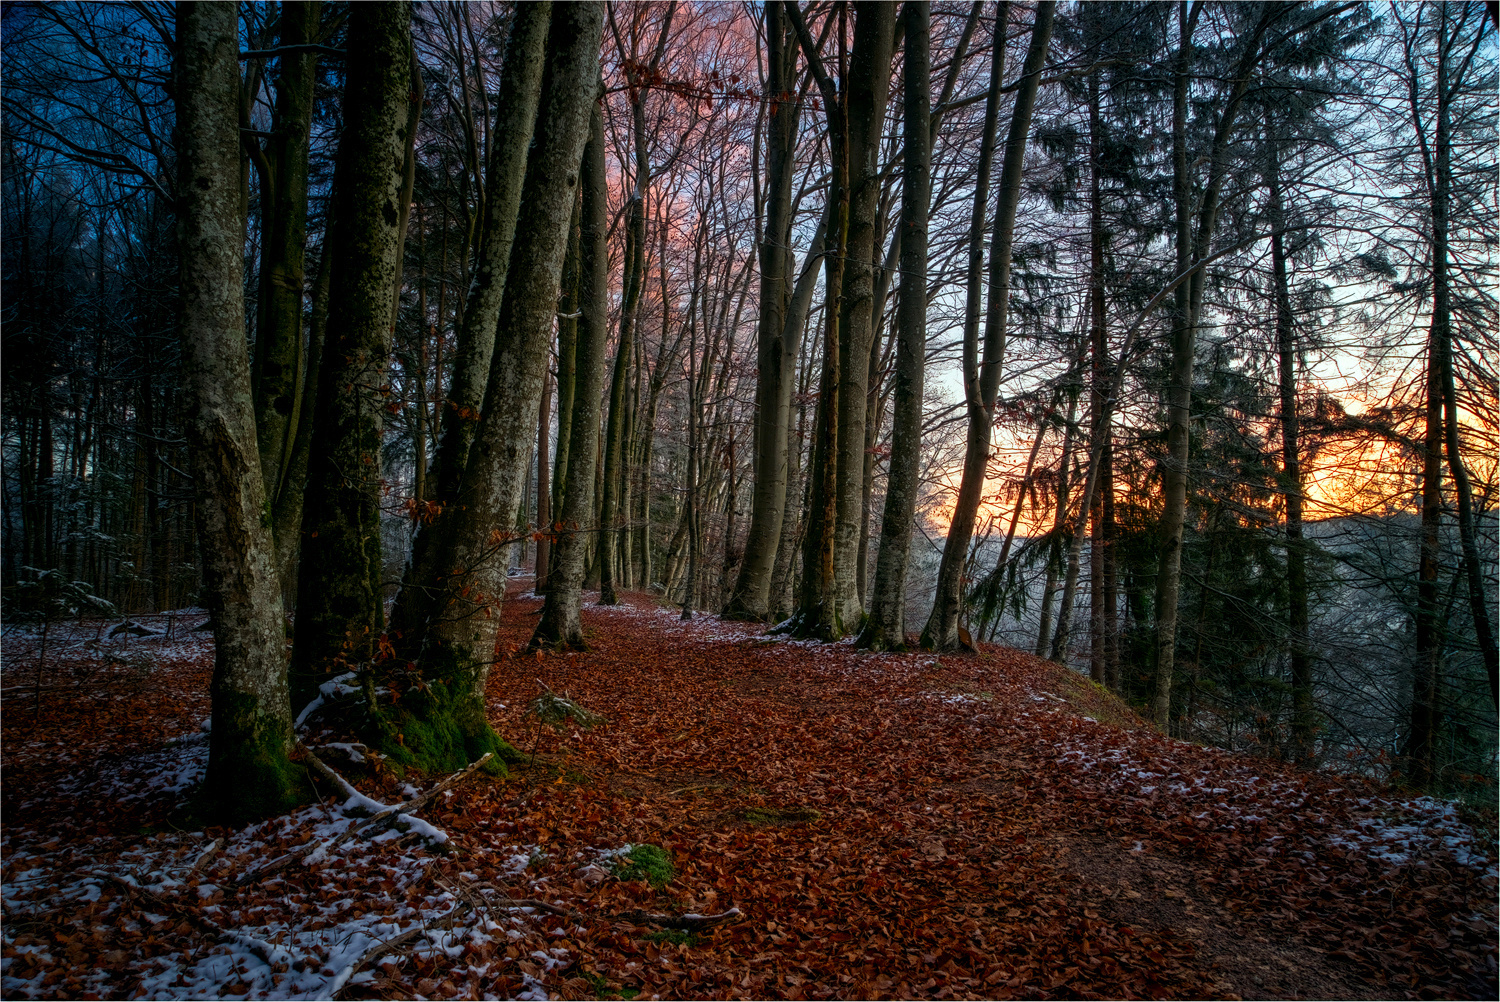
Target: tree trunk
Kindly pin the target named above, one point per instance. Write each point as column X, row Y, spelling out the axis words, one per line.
column 560, row 625
column 1192, row 248
column 543, row 488
column 567, row 352
column 458, row 639
column 283, row 245
column 886, row 627
column 520, row 89
column 983, row 386
column 1101, row 557
column 1304, row 721
column 248, row 771
column 817, row 606
column 776, row 355
column 339, row 607
column 864, row 120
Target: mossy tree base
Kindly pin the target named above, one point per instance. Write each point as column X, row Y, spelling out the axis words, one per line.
column 437, row 727
column 250, row 776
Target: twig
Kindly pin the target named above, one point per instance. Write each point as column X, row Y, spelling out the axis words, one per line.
column 379, row 950
column 269, row 952
column 208, row 854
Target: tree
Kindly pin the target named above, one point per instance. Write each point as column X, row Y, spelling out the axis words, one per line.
column 776, row 353
column 560, row 625
column 454, row 644
column 982, row 380
column 886, row 626
column 248, row 769
column 340, row 612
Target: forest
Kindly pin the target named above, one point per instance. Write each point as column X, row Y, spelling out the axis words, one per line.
column 370, row 368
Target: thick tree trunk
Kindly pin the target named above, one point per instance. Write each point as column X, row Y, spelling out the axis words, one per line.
column 864, row 120
column 560, row 625
column 776, row 356
column 459, row 636
column 248, row 771
column 339, row 607
column 886, row 627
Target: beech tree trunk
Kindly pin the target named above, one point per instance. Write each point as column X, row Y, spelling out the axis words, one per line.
column 560, row 625
column 817, row 612
column 248, row 771
column 864, row 120
column 282, row 170
column 515, row 119
column 458, row 638
column 886, row 627
column 776, row 356
column 339, row 602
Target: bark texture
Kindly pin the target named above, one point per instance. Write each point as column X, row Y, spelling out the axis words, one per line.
column 866, row 89
column 248, row 771
column 776, row 354
column 339, row 608
column 560, row 625
column 886, row 627
column 458, row 637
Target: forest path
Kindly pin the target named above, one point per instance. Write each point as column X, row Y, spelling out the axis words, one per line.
column 894, row 825
column 964, row 826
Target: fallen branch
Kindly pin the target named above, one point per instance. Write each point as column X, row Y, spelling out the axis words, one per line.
column 379, row 950
column 272, row 954
column 690, row 922
column 386, row 817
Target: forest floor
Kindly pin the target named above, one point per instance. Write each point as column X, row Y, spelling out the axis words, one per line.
column 888, row 826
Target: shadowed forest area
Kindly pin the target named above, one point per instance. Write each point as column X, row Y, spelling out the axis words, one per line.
column 834, row 499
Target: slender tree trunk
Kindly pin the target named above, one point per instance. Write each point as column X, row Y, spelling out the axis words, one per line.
column 560, row 624
column 776, row 355
column 248, row 771
column 283, row 244
column 1057, row 558
column 568, row 309
column 339, row 609
column 520, row 89
column 1191, row 249
column 886, row 627
column 817, row 606
column 941, row 631
column 1442, row 330
column 864, row 120
column 1300, row 650
column 942, row 628
column 543, row 488
column 1101, row 597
